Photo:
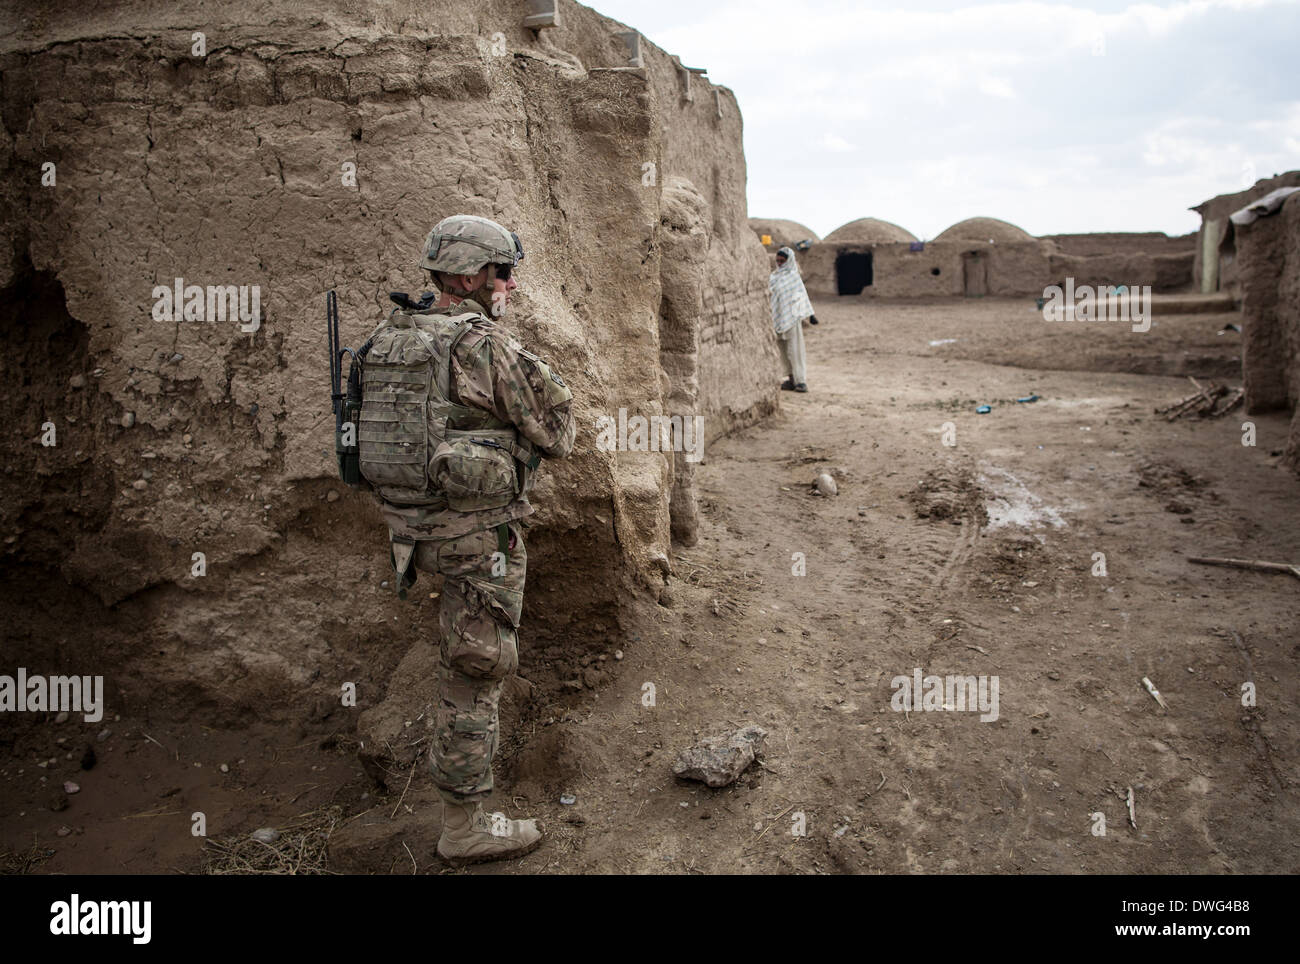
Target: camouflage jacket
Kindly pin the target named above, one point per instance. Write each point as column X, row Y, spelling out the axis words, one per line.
column 492, row 370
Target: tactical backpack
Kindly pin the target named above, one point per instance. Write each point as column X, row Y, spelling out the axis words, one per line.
column 417, row 446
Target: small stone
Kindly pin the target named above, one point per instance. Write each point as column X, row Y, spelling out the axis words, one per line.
column 140, row 485
column 70, row 788
column 331, row 496
column 826, row 485
column 384, row 584
column 77, row 381
column 62, row 717
column 187, row 438
column 128, row 420
column 63, row 831
column 104, row 734
column 266, row 835
column 618, row 654
column 225, row 768
column 177, row 357
column 568, row 799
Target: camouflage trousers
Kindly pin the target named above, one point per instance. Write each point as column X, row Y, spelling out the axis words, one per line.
column 482, row 596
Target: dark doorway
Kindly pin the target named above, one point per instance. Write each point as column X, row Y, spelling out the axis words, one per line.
column 975, row 274
column 852, row 272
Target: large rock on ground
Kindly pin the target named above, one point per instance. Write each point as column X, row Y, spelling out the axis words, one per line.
column 719, row 759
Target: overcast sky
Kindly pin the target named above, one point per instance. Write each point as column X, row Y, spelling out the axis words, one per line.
column 1091, row 116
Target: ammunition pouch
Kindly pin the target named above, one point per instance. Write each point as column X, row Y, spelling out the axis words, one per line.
column 482, row 469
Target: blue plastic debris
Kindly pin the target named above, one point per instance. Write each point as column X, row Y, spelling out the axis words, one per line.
column 983, row 410
column 1028, row 398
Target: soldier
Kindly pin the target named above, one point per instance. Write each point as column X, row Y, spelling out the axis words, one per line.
column 455, row 418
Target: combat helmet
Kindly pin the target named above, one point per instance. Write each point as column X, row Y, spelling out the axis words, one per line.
column 463, row 243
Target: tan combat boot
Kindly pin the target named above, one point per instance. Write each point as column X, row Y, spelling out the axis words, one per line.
column 470, row 836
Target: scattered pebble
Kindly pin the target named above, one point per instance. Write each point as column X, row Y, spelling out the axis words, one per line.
column 266, row 835
column 568, row 799
column 128, row 420
column 826, row 485
column 139, row 485
column 225, row 768
column 331, row 496
column 77, row 381
column 63, row 831
column 187, row 438
column 62, row 717
column 70, row 788
column 104, row 734
column 618, row 654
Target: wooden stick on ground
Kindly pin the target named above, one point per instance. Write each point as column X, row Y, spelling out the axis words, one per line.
column 1257, row 564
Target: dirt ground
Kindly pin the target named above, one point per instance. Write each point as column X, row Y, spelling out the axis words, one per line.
column 978, row 558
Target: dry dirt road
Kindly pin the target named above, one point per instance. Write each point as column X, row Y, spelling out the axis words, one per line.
column 978, row 558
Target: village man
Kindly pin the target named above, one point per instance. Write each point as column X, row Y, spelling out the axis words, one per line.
column 790, row 308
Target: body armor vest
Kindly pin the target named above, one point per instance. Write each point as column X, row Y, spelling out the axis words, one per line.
column 418, row 447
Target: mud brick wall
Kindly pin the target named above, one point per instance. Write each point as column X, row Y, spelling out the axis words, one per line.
column 230, row 166
column 1268, row 257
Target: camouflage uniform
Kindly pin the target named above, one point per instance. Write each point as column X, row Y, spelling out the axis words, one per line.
column 480, row 610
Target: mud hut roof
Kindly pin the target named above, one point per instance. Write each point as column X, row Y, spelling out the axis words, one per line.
column 985, row 229
column 785, row 231
column 870, row 231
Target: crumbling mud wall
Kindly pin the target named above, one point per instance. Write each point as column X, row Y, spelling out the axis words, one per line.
column 190, row 486
column 1268, row 259
column 936, row 269
column 1131, row 258
column 1122, row 242
column 1212, row 271
column 1003, row 269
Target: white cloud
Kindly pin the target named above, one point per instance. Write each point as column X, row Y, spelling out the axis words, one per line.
column 996, row 87
column 939, row 111
column 833, row 142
